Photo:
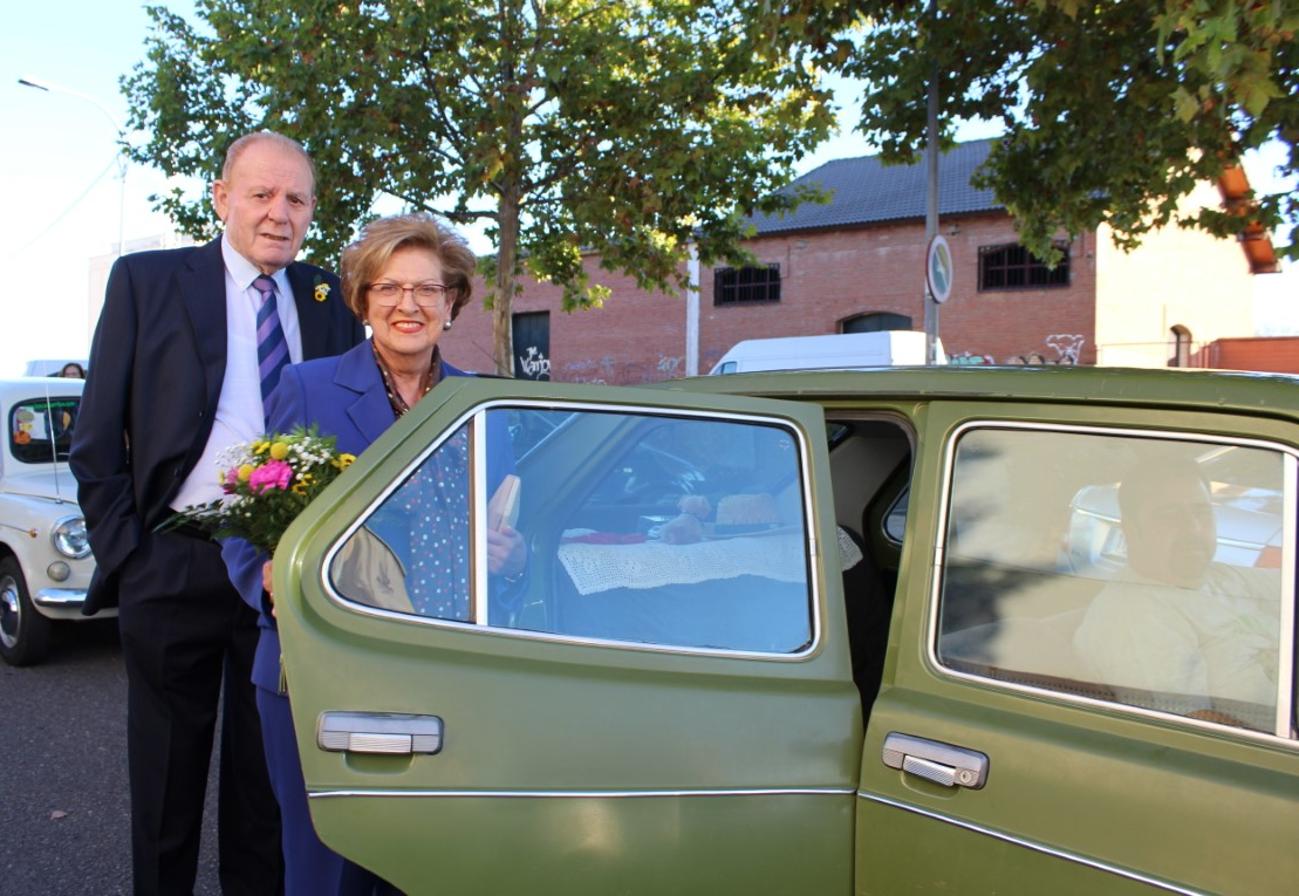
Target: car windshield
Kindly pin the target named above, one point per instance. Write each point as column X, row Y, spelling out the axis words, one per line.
column 40, row 429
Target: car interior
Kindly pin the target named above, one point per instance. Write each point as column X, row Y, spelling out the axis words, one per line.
column 40, row 429
column 870, row 464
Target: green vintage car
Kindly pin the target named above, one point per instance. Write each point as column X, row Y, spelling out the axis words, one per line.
column 815, row 633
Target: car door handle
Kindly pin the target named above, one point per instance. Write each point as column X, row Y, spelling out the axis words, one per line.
column 378, row 732
column 935, row 761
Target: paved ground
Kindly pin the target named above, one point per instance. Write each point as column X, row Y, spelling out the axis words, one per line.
column 64, row 824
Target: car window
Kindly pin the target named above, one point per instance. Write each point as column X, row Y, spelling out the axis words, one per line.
column 40, row 429
column 1118, row 568
column 651, row 529
column 895, row 520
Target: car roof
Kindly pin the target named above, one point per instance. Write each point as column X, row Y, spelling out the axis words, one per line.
column 1270, row 394
column 21, row 387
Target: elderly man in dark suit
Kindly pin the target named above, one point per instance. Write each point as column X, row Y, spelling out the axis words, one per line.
column 189, row 344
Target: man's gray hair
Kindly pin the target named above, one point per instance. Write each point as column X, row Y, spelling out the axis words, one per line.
column 237, row 148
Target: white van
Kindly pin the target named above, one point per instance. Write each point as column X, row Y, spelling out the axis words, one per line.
column 884, row 348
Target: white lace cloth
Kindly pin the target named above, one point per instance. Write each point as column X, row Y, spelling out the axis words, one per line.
column 653, row 564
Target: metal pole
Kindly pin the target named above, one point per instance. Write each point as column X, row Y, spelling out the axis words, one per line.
column 931, row 193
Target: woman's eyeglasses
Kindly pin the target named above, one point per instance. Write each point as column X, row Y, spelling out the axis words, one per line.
column 427, row 295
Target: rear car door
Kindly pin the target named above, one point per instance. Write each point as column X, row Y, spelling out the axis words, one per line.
column 1090, row 682
column 662, row 702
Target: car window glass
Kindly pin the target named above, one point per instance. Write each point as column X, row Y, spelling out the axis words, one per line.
column 528, row 426
column 1136, row 570
column 412, row 553
column 674, row 531
column 895, row 521
column 40, row 430
column 651, row 529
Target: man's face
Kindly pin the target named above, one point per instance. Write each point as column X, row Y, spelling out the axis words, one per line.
column 266, row 204
column 1172, row 536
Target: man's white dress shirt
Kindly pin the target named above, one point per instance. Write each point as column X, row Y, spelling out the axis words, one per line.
column 240, row 416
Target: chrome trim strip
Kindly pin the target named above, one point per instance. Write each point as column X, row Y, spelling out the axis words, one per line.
column 583, row 794
column 815, row 592
column 1282, row 735
column 1289, row 562
column 60, row 597
column 1035, row 846
column 478, row 518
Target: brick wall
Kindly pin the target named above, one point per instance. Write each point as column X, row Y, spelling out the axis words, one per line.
column 1269, row 354
column 826, row 277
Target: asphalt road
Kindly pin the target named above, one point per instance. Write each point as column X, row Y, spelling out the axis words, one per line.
column 64, row 806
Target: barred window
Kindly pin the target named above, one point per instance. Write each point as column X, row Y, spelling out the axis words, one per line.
column 734, row 286
column 1012, row 266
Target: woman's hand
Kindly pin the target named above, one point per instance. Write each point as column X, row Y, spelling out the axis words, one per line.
column 266, row 585
column 506, row 552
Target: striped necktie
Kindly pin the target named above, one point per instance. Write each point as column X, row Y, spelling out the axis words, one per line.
column 272, row 347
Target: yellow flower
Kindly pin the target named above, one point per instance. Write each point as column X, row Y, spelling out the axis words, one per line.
column 344, row 460
column 303, row 483
column 246, row 471
column 322, row 292
column 260, row 446
column 279, row 451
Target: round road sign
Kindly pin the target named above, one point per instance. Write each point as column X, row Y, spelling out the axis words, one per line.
column 938, row 269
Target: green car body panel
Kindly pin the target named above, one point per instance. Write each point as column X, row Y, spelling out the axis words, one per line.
column 596, row 768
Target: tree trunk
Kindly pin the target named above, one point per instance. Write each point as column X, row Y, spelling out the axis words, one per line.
column 510, row 184
column 506, row 255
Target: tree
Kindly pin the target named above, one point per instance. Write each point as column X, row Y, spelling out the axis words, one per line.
column 1113, row 109
column 622, row 127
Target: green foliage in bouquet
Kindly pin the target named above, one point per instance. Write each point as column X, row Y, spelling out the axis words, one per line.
column 267, row 483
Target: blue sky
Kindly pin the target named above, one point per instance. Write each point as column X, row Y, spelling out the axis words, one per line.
column 61, row 194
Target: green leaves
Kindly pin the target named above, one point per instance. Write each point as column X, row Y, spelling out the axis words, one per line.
column 1112, row 110
column 564, row 124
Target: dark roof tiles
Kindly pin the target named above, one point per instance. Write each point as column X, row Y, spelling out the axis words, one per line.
column 865, row 191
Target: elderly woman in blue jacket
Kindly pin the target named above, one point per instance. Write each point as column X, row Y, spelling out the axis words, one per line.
column 407, row 277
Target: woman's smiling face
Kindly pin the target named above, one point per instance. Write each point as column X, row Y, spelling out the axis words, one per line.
column 408, row 331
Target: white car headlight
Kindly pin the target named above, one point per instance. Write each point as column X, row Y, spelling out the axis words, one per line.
column 69, row 537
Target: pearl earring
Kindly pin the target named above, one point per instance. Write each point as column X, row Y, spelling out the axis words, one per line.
column 447, row 325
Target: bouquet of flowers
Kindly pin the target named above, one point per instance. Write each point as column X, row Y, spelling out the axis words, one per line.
column 267, row 483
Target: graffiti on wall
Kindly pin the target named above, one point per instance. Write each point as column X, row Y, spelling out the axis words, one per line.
column 534, row 364
column 609, row 371
column 1067, row 347
column 669, row 366
column 1064, row 349
column 966, row 359
column 601, row 371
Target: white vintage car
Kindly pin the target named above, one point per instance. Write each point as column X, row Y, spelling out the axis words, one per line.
column 45, row 561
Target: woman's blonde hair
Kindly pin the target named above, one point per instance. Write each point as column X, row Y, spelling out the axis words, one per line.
column 363, row 259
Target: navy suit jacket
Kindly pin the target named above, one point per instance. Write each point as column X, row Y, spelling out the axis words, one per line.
column 346, row 398
column 157, row 364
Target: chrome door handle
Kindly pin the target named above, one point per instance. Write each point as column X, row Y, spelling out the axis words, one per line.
column 378, row 732
column 935, row 761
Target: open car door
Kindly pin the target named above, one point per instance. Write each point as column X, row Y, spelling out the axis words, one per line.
column 661, row 703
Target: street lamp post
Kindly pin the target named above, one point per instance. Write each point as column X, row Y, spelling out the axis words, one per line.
column 120, row 135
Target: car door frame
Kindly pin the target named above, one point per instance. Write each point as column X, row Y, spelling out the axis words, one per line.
column 1058, row 811
column 757, row 791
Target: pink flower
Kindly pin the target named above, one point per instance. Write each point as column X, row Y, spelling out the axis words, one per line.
column 230, row 481
column 272, row 474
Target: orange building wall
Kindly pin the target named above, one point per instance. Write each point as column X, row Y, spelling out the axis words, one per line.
column 1268, row 354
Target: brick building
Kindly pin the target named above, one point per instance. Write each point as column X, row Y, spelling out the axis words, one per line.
column 856, row 263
